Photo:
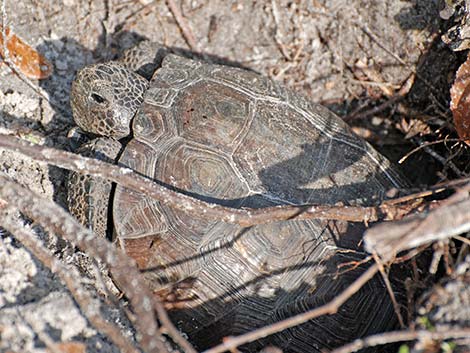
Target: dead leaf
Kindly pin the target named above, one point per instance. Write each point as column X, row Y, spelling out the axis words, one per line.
column 413, row 127
column 460, row 101
column 24, row 57
column 70, row 347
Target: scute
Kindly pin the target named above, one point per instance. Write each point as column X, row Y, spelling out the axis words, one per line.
column 201, row 171
column 232, row 137
column 219, row 111
column 252, row 84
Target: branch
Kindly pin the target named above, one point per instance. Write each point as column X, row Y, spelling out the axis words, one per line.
column 245, row 217
column 442, row 223
column 402, row 336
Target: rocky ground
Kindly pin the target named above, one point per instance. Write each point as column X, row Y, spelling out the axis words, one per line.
column 379, row 64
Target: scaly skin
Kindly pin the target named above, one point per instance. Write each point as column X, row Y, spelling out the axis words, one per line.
column 105, row 98
column 89, row 197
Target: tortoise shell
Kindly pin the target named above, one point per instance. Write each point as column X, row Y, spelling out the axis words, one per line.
column 232, row 137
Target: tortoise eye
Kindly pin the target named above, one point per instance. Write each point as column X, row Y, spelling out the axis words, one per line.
column 97, row 98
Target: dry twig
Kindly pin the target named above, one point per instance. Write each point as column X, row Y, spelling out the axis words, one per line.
column 443, row 160
column 278, row 35
column 373, row 111
column 442, row 223
column 399, row 96
column 402, row 336
column 244, row 217
column 390, row 291
column 183, row 25
column 426, row 144
column 364, row 28
column 171, row 330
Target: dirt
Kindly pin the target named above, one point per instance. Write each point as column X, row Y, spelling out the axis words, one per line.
column 351, row 55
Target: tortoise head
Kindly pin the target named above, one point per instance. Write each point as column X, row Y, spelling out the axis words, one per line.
column 105, row 98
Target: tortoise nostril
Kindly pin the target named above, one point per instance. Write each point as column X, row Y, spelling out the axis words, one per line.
column 97, row 98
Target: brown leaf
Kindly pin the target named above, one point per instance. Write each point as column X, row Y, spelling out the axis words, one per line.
column 70, row 347
column 412, row 127
column 460, row 101
column 25, row 58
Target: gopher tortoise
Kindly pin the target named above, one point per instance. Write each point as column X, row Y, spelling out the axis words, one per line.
column 231, row 137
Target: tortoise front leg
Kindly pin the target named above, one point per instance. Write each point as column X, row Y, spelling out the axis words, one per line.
column 89, row 198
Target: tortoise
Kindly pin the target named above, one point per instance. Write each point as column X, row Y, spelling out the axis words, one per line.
column 232, row 137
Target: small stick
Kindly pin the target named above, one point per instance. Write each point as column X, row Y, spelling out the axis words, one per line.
column 462, row 239
column 278, row 34
column 171, row 329
column 391, row 294
column 402, row 336
column 183, row 25
column 364, row 28
column 426, row 144
column 375, row 110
